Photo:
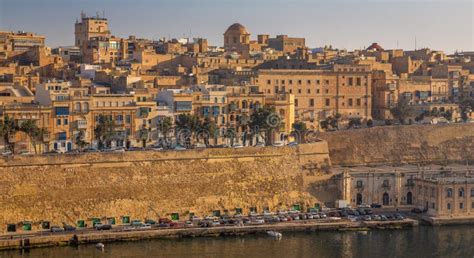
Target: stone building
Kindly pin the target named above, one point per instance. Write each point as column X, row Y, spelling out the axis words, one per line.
column 397, row 186
column 344, row 90
column 446, row 196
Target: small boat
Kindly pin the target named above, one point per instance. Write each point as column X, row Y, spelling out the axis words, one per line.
column 275, row 234
column 100, row 246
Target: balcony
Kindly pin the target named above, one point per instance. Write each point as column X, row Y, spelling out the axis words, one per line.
column 82, row 124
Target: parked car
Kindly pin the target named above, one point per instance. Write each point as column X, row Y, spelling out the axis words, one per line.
column 100, row 226
column 292, row 144
column 145, row 226
column 179, row 148
column 375, row 205
column 237, row 145
column 69, row 228
column 416, row 210
column 383, row 218
column 91, row 150
column 399, row 216
column 200, row 146
column 364, row 205
column 56, row 229
column 7, row 153
column 278, row 144
column 26, row 153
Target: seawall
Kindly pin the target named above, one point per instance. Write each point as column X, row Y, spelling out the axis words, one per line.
column 67, row 188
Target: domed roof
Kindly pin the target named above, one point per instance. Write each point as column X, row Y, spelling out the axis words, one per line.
column 237, row 28
column 375, row 46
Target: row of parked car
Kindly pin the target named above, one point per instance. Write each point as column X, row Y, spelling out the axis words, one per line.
column 7, row 153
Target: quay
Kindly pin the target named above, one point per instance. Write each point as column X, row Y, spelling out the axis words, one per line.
column 48, row 239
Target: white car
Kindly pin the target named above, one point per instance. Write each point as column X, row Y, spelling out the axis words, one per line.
column 7, row 153
column 237, row 145
column 278, row 144
column 259, row 221
column 179, row 148
column 145, row 226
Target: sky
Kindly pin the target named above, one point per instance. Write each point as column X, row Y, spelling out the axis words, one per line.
column 348, row 24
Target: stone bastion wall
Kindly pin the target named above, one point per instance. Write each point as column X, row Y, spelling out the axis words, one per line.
column 66, row 188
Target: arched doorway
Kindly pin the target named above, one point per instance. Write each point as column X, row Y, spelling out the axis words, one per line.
column 385, row 199
column 409, row 198
column 359, row 199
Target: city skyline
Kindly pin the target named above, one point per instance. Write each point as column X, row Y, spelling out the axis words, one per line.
column 321, row 23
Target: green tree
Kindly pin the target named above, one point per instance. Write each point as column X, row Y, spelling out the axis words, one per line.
column 104, row 130
column 164, row 126
column 8, row 129
column 35, row 134
column 466, row 104
column 300, row 130
column 265, row 120
column 186, row 125
column 402, row 110
column 79, row 139
column 370, row 123
column 354, row 122
column 209, row 130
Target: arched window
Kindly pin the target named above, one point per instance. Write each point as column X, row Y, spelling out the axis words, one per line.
column 77, row 107
column 461, row 192
column 244, row 104
column 472, row 192
column 359, row 183
column 85, row 107
column 449, row 192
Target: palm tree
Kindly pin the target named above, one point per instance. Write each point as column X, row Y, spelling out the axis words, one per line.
column 265, row 120
column 209, row 128
column 186, row 125
column 104, row 130
column 164, row 126
column 8, row 129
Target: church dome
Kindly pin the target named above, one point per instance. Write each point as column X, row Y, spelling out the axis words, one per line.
column 237, row 28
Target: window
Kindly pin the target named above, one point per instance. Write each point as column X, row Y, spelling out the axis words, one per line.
column 317, row 91
column 326, row 81
column 472, row 192
column 449, row 206
column 449, row 192
column 311, row 102
column 128, row 119
column 351, row 81
column 296, row 102
column 328, row 102
column 359, row 184
column 358, row 81
column 308, row 82
column 282, row 81
column 290, row 81
column 276, row 89
column 308, row 91
column 461, row 192
column 318, row 82
column 66, row 122
column 350, row 102
column 327, row 91
column 58, row 121
column 269, row 82
column 358, row 102
column 461, row 205
column 472, row 205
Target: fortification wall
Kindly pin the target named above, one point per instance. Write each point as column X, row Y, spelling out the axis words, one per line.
column 402, row 144
column 66, row 188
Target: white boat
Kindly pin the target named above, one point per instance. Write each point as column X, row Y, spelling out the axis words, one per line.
column 100, row 246
column 275, row 234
